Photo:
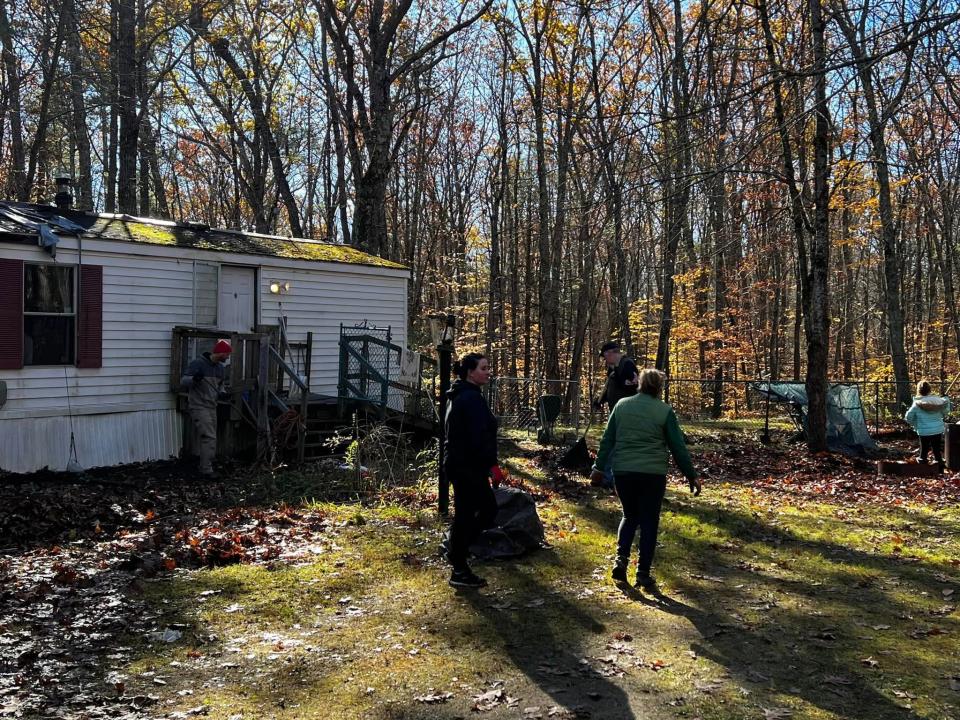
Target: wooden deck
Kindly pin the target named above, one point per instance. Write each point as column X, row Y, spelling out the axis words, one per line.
column 268, row 409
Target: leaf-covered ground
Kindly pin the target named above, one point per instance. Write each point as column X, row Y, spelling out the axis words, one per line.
column 795, row 587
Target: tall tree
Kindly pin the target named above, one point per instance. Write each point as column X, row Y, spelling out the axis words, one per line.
column 376, row 123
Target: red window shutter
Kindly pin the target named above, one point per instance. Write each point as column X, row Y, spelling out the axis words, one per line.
column 90, row 317
column 11, row 314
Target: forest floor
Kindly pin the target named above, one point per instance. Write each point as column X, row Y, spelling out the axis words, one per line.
column 794, row 587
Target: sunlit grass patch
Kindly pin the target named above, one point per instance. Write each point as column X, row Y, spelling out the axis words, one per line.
column 768, row 604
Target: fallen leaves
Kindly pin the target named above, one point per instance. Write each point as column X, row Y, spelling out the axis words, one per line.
column 434, row 698
column 492, row 699
column 776, row 713
column 832, row 477
column 72, row 600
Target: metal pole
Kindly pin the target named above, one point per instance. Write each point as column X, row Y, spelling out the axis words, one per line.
column 765, row 438
column 876, row 407
column 445, row 356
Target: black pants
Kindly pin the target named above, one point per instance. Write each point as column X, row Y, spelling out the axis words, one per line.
column 641, row 495
column 474, row 510
column 932, row 442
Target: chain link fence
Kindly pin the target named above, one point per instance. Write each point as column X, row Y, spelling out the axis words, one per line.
column 881, row 407
column 732, row 405
column 738, row 400
column 518, row 403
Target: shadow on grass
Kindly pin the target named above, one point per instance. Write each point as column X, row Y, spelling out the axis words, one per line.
column 826, row 678
column 540, row 640
column 818, row 649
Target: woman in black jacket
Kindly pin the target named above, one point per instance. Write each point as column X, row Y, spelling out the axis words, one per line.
column 470, row 459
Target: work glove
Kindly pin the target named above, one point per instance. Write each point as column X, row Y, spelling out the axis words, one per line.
column 695, row 486
column 197, row 378
column 597, row 478
column 498, row 475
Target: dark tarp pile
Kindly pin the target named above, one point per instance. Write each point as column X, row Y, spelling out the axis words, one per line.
column 846, row 424
column 518, row 529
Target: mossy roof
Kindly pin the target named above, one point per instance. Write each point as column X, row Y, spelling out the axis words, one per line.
column 198, row 237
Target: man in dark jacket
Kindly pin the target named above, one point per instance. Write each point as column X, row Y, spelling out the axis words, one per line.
column 470, row 459
column 621, row 376
column 203, row 381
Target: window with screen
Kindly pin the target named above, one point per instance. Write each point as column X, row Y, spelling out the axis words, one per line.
column 49, row 314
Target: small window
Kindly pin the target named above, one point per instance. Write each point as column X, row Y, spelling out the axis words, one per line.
column 49, row 315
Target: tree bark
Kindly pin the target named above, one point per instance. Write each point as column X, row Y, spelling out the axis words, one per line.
column 127, row 106
column 678, row 199
column 877, row 120
column 81, row 137
column 817, row 313
column 17, row 181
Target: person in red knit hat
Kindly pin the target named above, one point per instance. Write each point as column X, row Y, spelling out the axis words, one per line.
column 203, row 382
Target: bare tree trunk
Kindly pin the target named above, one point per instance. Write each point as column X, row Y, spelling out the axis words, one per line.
column 17, row 181
column 262, row 127
column 50, row 64
column 81, row 138
column 127, row 106
column 679, row 193
column 877, row 119
column 149, row 142
column 817, row 313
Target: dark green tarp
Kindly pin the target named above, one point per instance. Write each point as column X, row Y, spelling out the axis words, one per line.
column 846, row 424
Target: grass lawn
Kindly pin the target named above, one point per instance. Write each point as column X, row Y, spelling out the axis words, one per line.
column 770, row 608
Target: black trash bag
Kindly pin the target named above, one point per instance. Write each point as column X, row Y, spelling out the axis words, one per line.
column 577, row 457
column 518, row 529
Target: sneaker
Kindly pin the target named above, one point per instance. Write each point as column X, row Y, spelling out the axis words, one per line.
column 619, row 574
column 647, row 583
column 466, row 579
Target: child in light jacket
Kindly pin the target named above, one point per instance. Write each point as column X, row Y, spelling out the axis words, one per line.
column 926, row 417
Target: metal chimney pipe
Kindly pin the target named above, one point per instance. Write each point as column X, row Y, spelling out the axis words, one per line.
column 63, row 199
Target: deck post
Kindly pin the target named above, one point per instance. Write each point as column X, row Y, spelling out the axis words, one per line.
column 264, row 442
column 304, row 404
column 445, row 355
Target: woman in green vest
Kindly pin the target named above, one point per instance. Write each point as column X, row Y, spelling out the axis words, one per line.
column 641, row 433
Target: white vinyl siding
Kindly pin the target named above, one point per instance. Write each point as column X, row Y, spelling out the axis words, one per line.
column 143, row 299
column 102, row 440
column 320, row 302
column 206, row 290
column 147, row 290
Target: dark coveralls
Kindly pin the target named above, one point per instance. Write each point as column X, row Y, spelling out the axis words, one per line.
column 470, row 450
column 203, row 381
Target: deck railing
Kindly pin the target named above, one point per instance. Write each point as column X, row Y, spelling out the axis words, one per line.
column 369, row 372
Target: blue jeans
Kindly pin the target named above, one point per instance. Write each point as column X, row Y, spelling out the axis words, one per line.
column 641, row 496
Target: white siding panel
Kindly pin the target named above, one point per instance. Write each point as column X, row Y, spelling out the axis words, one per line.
column 319, row 301
column 114, row 439
column 124, row 411
column 143, row 299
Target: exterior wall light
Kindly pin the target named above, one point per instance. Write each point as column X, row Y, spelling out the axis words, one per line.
column 278, row 287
